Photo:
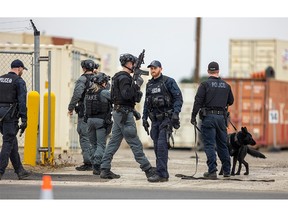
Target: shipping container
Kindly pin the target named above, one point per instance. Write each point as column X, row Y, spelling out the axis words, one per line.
column 65, row 70
column 250, row 56
column 262, row 107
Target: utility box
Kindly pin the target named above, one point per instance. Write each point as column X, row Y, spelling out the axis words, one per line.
column 250, row 56
column 261, row 105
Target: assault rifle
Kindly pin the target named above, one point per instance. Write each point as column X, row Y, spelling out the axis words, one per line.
column 136, row 68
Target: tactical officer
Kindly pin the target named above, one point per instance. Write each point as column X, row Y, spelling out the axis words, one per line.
column 125, row 93
column 163, row 103
column 12, row 107
column 212, row 97
column 99, row 118
column 77, row 103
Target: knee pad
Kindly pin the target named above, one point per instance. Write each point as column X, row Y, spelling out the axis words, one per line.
column 129, row 131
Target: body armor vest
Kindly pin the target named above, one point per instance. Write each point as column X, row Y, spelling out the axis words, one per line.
column 157, row 95
column 217, row 93
column 116, row 96
column 95, row 106
column 8, row 88
column 87, row 84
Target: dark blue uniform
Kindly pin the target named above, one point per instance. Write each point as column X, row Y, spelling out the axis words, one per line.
column 212, row 98
column 12, row 107
column 163, row 99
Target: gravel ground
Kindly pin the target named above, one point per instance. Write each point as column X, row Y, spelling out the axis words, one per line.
column 268, row 174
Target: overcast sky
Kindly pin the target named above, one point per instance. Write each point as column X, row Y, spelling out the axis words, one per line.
column 169, row 40
column 166, row 31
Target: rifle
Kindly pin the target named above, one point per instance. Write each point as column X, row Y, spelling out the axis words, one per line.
column 136, row 68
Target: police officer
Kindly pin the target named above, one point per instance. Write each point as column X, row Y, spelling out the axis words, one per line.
column 163, row 103
column 12, row 107
column 77, row 103
column 125, row 93
column 99, row 118
column 212, row 98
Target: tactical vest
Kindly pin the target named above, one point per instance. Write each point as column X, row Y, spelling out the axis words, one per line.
column 116, row 96
column 217, row 91
column 87, row 84
column 157, row 95
column 8, row 88
column 95, row 107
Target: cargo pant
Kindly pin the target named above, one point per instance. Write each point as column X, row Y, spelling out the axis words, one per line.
column 214, row 136
column 159, row 136
column 82, row 129
column 98, row 137
column 9, row 129
column 127, row 131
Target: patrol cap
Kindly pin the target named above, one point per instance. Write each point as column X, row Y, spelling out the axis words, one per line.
column 18, row 63
column 213, row 66
column 155, row 63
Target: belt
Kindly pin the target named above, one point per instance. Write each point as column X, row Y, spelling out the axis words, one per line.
column 215, row 112
column 123, row 108
column 5, row 105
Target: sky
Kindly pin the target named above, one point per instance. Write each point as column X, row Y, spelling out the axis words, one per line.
column 171, row 40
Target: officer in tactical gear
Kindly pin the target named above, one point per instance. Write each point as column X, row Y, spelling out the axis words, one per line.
column 124, row 94
column 212, row 98
column 98, row 117
column 12, row 107
column 77, row 104
column 163, row 103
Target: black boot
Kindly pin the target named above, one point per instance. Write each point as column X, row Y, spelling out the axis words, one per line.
column 96, row 169
column 84, row 167
column 23, row 174
column 150, row 172
column 108, row 174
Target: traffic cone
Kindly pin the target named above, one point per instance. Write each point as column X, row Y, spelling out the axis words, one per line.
column 46, row 189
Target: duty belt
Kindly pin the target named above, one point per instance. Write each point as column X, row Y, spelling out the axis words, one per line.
column 125, row 111
column 215, row 112
column 5, row 104
column 160, row 116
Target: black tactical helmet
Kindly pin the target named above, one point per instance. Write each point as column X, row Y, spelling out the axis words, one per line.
column 101, row 78
column 88, row 64
column 124, row 58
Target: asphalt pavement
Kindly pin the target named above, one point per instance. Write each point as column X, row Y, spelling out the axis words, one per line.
column 266, row 175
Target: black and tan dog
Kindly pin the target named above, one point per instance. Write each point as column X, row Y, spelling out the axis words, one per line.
column 238, row 147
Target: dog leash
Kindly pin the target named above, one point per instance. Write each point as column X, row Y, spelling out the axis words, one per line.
column 182, row 176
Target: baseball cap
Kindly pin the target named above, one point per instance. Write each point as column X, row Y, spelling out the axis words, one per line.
column 213, row 66
column 18, row 63
column 155, row 63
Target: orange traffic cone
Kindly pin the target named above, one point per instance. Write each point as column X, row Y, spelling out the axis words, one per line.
column 46, row 189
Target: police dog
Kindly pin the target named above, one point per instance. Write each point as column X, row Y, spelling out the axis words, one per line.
column 238, row 148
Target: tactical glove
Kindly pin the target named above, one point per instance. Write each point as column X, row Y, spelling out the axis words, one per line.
column 139, row 81
column 193, row 121
column 146, row 126
column 175, row 120
column 22, row 127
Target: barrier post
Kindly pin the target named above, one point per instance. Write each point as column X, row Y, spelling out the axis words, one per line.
column 30, row 142
column 49, row 128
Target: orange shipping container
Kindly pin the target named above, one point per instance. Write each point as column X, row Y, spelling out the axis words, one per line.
column 261, row 106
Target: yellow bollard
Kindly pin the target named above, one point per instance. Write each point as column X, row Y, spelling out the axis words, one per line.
column 46, row 158
column 30, row 143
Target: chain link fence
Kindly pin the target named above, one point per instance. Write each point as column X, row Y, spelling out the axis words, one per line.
column 6, row 58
